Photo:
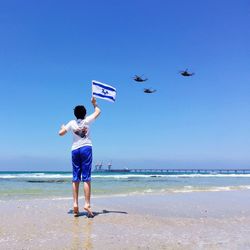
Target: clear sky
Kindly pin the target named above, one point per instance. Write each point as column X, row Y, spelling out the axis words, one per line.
column 51, row 50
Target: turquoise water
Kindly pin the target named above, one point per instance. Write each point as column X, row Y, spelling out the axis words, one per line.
column 40, row 185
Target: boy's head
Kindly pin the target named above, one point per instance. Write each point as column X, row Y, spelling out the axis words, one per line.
column 79, row 112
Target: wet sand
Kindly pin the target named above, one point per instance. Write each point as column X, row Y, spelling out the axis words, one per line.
column 202, row 220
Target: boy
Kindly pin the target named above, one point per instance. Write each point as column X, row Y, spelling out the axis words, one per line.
column 81, row 152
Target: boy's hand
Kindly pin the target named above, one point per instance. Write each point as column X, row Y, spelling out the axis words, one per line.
column 93, row 100
column 62, row 131
column 97, row 109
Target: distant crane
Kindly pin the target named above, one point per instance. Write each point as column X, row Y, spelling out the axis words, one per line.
column 109, row 165
column 98, row 166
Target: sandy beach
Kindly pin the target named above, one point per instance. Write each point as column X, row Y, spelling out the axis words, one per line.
column 199, row 220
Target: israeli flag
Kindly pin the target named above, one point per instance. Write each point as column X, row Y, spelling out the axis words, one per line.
column 103, row 91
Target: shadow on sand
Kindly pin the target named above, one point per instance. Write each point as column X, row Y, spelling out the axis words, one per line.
column 104, row 211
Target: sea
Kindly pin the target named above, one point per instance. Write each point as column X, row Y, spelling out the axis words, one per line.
column 57, row 185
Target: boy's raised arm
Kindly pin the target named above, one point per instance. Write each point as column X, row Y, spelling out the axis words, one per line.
column 97, row 111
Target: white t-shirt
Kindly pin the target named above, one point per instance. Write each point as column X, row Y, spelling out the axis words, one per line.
column 81, row 131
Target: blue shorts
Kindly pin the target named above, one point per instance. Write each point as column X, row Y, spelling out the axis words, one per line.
column 81, row 163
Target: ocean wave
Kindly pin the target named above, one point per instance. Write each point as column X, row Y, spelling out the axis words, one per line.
column 191, row 189
column 206, row 175
column 209, row 189
column 47, row 181
column 43, row 176
column 37, row 175
column 127, row 176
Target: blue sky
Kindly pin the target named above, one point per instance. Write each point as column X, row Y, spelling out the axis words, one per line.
column 51, row 50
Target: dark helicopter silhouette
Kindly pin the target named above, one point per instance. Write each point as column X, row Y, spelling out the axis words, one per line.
column 139, row 78
column 186, row 73
column 149, row 91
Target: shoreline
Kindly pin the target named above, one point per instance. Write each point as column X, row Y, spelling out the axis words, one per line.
column 207, row 220
column 185, row 190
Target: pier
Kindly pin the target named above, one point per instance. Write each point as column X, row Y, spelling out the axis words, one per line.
column 98, row 168
column 174, row 171
column 188, row 171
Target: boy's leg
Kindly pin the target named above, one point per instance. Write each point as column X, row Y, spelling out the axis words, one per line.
column 87, row 193
column 77, row 170
column 75, row 186
column 86, row 153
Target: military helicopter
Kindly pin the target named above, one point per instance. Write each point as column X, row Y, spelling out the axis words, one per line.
column 149, row 91
column 186, row 73
column 139, row 78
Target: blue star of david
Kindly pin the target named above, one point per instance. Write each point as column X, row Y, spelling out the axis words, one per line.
column 104, row 92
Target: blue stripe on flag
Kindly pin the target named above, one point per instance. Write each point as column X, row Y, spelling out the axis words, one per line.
column 104, row 86
column 104, row 96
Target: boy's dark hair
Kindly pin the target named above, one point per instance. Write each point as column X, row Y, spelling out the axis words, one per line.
column 79, row 112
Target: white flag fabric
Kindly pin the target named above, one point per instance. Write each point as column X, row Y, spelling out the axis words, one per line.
column 103, row 91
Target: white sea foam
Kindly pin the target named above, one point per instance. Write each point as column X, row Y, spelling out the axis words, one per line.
column 189, row 189
column 130, row 176
column 148, row 190
column 65, row 176
column 36, row 175
column 244, row 187
column 118, row 176
column 205, row 175
column 127, row 176
column 62, row 198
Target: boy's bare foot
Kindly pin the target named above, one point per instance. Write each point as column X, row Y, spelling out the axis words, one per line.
column 89, row 211
column 76, row 211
